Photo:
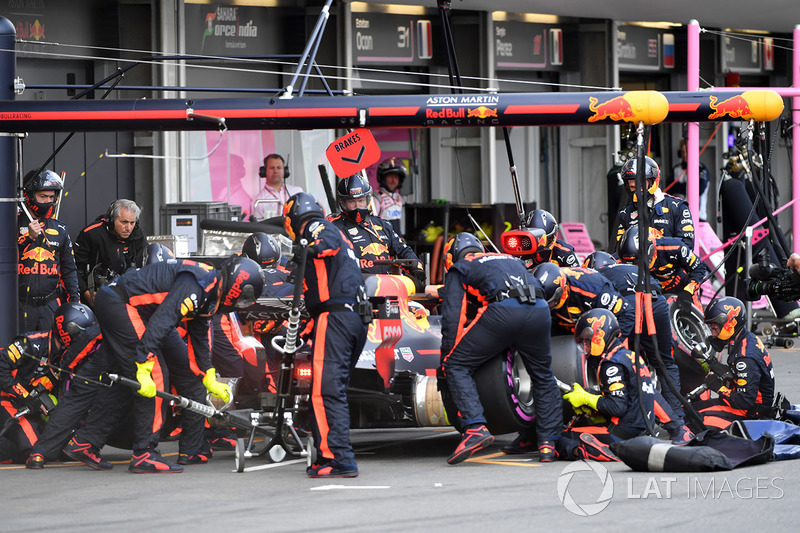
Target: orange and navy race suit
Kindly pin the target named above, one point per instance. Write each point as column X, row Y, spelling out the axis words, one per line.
column 563, row 254
column 375, row 239
column 589, row 289
column 676, row 266
column 86, row 359
column 333, row 283
column 46, row 272
column 619, row 405
column 753, row 390
column 138, row 314
column 21, row 375
column 625, row 278
column 491, row 303
column 669, row 217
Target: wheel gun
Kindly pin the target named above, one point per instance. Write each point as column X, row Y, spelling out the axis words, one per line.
column 719, row 374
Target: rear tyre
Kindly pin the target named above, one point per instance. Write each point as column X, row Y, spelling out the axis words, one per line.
column 504, row 387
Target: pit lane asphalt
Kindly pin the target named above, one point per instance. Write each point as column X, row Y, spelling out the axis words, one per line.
column 405, row 485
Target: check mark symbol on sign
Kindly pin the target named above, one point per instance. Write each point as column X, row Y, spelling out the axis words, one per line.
column 357, row 159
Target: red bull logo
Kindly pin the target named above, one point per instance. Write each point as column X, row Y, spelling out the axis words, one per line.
column 38, row 254
column 65, row 337
column 38, row 268
column 447, row 112
column 618, row 109
column 236, row 289
column 734, row 107
column 374, row 249
column 482, row 112
column 598, row 342
column 730, row 324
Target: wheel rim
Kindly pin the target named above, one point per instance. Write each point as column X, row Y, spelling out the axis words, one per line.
column 521, row 381
column 689, row 329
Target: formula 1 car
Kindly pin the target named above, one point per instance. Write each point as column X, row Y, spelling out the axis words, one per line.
column 395, row 383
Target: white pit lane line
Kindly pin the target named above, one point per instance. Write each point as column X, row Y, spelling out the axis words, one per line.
column 350, row 487
column 367, row 450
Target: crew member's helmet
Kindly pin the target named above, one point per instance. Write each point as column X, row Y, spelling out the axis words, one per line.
column 652, row 174
column 545, row 221
column 70, row 320
column 554, row 282
column 262, row 249
column 242, row 283
column 352, row 188
column 300, row 208
column 598, row 260
column 156, row 253
column 628, row 248
column 393, row 165
column 46, row 180
column 458, row 246
column 597, row 330
column 730, row 315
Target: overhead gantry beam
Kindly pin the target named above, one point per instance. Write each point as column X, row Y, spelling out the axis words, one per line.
column 409, row 111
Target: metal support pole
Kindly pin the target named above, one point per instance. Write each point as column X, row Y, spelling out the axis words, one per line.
column 8, row 192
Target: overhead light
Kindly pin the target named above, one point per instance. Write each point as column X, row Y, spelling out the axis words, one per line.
column 657, row 25
column 502, row 16
column 753, row 32
column 364, row 7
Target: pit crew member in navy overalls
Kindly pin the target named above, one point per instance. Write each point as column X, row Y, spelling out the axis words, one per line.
column 669, row 215
column 751, row 392
column 625, row 277
column 373, row 238
column 334, row 287
column 27, row 391
column 83, row 361
column 549, row 249
column 671, row 262
column 615, row 413
column 506, row 303
column 46, row 267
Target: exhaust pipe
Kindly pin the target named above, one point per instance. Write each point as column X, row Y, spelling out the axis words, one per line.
column 428, row 405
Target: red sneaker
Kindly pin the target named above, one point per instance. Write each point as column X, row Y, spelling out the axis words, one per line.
column 474, row 439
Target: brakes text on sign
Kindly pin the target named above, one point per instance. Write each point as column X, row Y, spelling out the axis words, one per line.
column 353, row 152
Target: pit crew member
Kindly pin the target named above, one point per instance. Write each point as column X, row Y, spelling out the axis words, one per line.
column 507, row 309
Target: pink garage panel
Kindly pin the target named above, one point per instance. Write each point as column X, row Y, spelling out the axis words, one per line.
column 575, row 234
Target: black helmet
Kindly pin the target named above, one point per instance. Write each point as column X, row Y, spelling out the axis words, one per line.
column 262, row 249
column 156, row 253
column 46, row 180
column 652, row 173
column 597, row 330
column 242, row 283
column 598, row 260
column 356, row 186
column 300, row 208
column 554, row 283
column 393, row 165
column 545, row 221
column 628, row 247
column 458, row 246
column 70, row 320
column 730, row 315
